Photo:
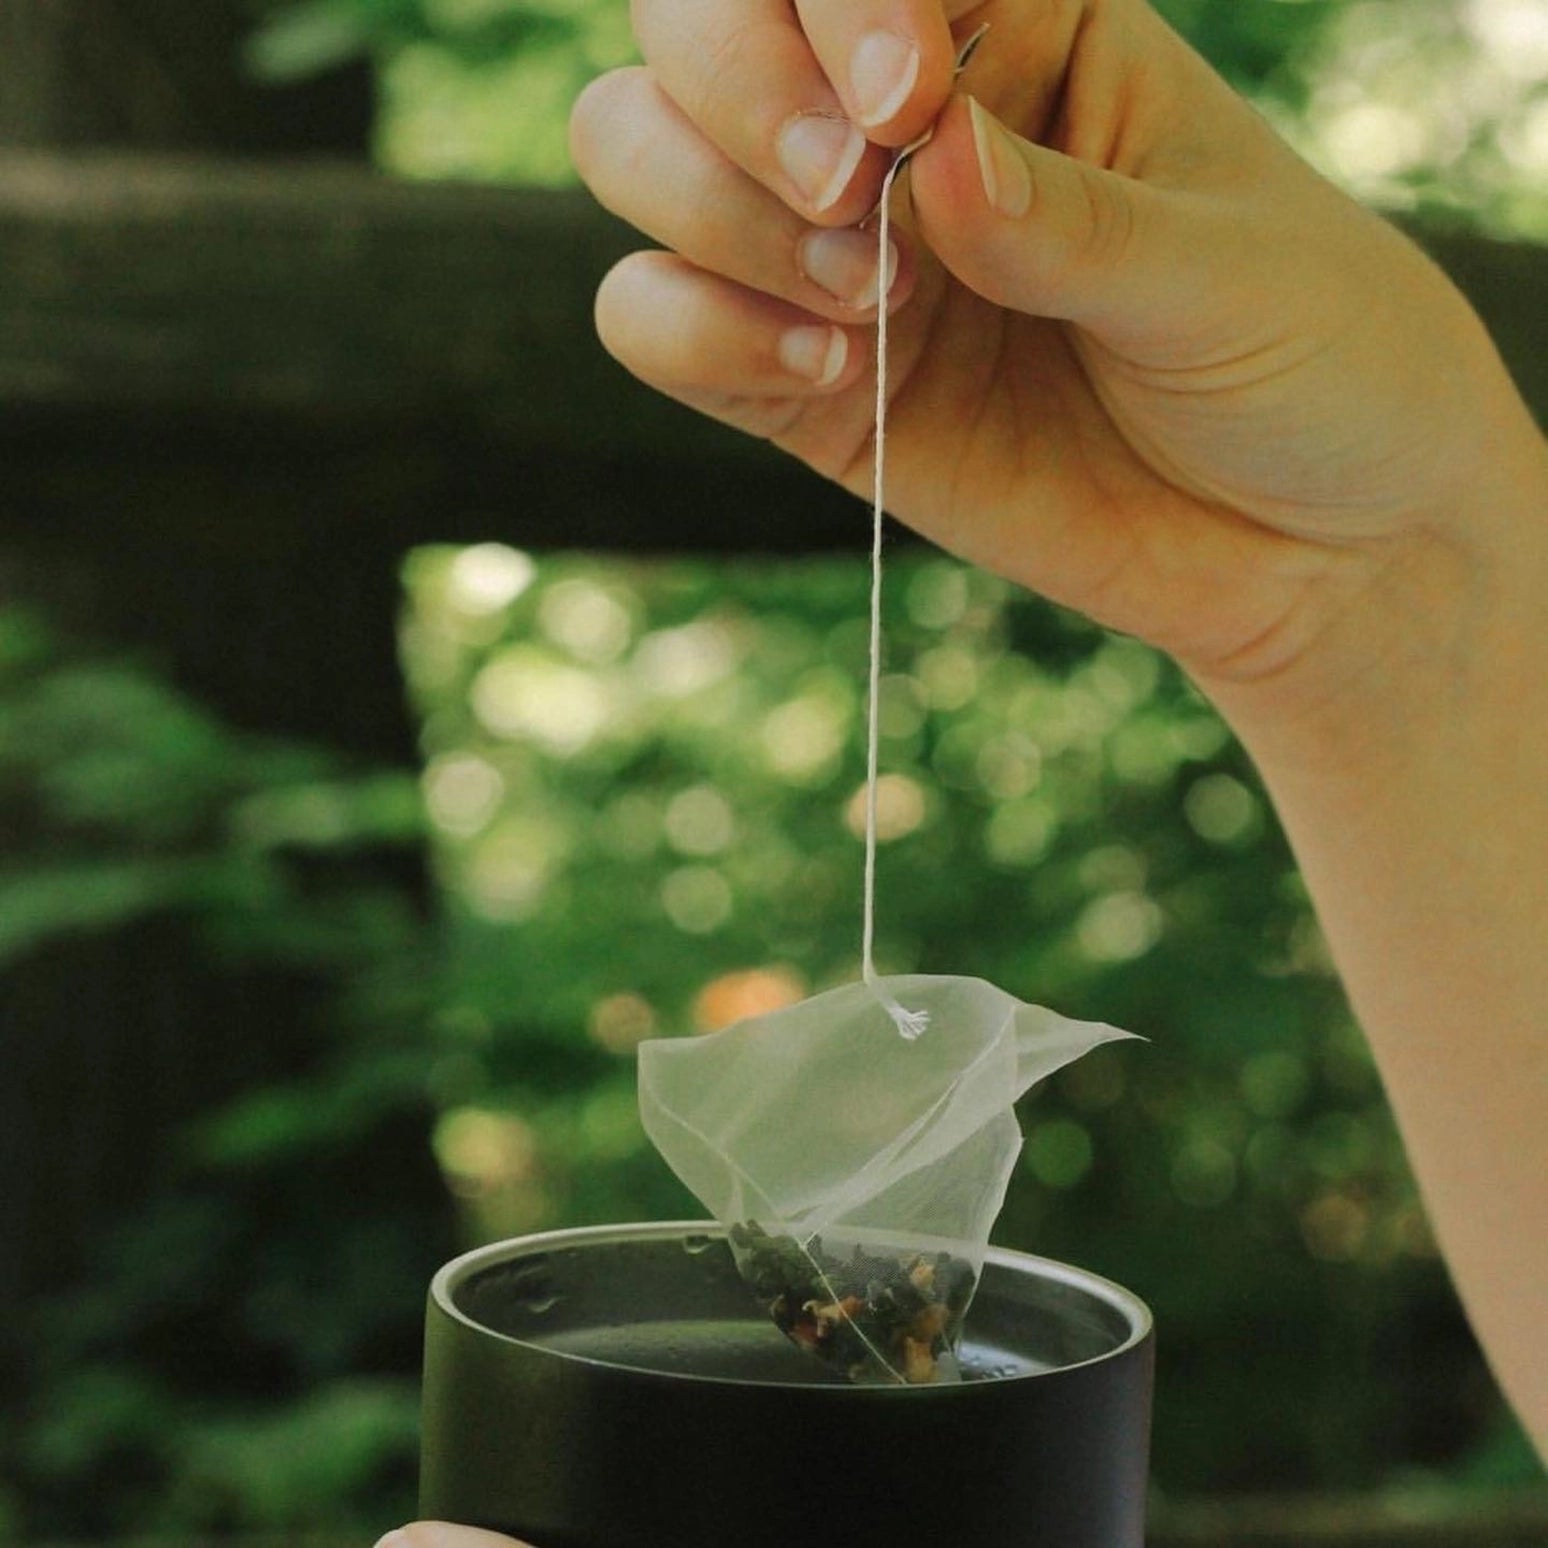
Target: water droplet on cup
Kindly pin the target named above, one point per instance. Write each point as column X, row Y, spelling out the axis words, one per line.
column 527, row 1271
column 694, row 1245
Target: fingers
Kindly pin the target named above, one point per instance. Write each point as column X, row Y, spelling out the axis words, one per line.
column 890, row 62
column 746, row 76
column 695, row 335
column 1043, row 233
column 795, row 96
column 443, row 1534
column 646, row 162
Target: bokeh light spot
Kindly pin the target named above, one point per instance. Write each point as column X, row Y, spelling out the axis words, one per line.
column 1515, row 32
column 585, row 619
column 1369, row 140
column 479, row 1151
column 1274, row 1084
column 1271, row 1158
column 1203, row 1174
column 733, row 997
column 900, row 808
column 674, row 663
column 487, row 577
column 1059, row 1153
column 699, row 821
column 803, row 737
column 1221, row 809
column 949, row 675
column 697, row 899
column 621, row 1022
column 507, row 871
column 523, row 694
column 1119, row 927
column 1019, row 833
column 1334, row 1227
column 462, row 792
column 937, row 596
column 1009, row 766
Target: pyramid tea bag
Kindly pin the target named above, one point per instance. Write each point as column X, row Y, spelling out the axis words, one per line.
column 857, row 1146
column 858, row 1171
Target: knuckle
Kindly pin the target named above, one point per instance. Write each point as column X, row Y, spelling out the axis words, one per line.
column 1109, row 223
column 723, row 66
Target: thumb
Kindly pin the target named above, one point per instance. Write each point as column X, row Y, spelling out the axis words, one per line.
column 1040, row 232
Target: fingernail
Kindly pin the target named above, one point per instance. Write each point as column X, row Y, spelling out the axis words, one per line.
column 843, row 262
column 392, row 1539
column 882, row 72
column 819, row 155
column 816, row 353
column 1006, row 177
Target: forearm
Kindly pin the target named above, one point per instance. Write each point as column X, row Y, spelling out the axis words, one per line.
column 1417, row 803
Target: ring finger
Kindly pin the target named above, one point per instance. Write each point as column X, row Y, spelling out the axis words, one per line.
column 752, row 361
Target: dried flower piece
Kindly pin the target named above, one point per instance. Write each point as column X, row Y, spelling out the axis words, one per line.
column 872, row 1315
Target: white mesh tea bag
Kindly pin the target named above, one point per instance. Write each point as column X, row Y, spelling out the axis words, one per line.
column 859, row 1171
column 857, row 1146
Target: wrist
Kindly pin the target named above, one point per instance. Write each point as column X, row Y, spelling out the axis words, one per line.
column 1427, row 638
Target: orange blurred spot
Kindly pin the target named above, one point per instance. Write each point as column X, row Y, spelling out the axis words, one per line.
column 753, row 992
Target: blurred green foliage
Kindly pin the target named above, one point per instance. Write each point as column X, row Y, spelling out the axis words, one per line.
column 641, row 789
column 294, row 1088
column 646, row 783
column 214, row 988
column 1434, row 107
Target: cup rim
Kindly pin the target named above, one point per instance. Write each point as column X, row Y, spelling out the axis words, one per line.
column 457, row 1271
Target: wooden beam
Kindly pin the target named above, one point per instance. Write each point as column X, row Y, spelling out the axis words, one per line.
column 165, row 75
column 356, row 351
column 414, row 359
column 324, row 294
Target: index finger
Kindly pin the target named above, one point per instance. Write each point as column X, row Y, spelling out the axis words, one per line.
column 890, row 61
column 748, row 76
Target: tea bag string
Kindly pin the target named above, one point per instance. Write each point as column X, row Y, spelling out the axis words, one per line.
column 910, row 1023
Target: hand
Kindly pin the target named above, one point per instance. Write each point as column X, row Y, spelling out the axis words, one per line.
column 1145, row 360
column 444, row 1534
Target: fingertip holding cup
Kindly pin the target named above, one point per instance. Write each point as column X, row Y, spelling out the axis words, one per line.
column 445, row 1534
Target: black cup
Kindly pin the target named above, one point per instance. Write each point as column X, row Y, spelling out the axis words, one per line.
column 617, row 1387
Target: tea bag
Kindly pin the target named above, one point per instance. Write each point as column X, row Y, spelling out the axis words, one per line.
column 857, row 1146
column 859, row 1171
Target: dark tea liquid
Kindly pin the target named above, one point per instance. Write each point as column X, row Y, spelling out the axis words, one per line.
column 735, row 1349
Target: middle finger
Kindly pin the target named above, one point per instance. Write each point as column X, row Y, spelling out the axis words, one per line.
column 744, row 73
